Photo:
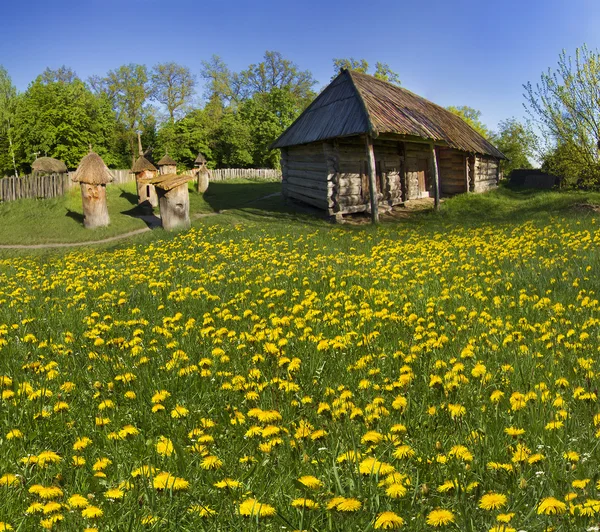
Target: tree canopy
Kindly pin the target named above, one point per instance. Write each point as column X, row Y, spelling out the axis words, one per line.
column 62, row 119
column 518, row 142
column 565, row 105
column 473, row 118
column 382, row 70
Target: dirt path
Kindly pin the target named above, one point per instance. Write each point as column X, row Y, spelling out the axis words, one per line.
column 117, row 237
column 74, row 244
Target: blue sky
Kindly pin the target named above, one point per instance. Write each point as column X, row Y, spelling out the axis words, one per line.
column 476, row 53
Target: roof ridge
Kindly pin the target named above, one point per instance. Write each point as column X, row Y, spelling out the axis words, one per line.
column 372, row 129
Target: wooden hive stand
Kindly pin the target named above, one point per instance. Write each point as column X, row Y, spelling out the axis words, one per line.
column 173, row 200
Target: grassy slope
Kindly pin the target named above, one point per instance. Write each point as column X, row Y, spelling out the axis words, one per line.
column 60, row 219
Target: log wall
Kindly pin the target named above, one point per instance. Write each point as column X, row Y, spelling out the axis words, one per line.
column 414, row 153
column 306, row 176
column 333, row 175
column 486, row 173
column 453, row 171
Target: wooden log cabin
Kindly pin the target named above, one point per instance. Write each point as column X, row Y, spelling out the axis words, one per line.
column 364, row 138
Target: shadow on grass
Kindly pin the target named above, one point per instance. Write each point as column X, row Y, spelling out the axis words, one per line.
column 234, row 195
column 145, row 214
column 77, row 216
column 129, row 196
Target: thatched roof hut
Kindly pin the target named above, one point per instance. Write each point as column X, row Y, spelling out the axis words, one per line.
column 92, row 170
column 92, row 176
column 173, row 198
column 167, row 160
column 365, row 143
column 141, row 164
column 48, row 165
column 200, row 160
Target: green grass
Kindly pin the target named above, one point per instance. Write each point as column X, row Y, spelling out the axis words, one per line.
column 459, row 348
column 61, row 220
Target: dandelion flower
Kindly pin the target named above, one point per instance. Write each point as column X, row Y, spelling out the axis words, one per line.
column 309, row 504
column 92, row 512
column 253, row 508
column 78, row 501
column 551, row 506
column 440, row 517
column 492, row 501
column 388, row 521
column 164, row 446
column 310, row 482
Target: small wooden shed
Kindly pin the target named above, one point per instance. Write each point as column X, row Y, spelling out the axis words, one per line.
column 202, row 174
column 174, row 200
column 93, row 175
column 48, row 165
column 365, row 144
column 167, row 165
column 144, row 170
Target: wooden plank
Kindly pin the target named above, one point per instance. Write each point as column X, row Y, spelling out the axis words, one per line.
column 372, row 178
column 436, row 178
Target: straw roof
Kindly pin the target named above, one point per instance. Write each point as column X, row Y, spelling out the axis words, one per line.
column 355, row 103
column 92, row 170
column 49, row 165
column 200, row 159
column 168, row 181
column 166, row 160
column 142, row 164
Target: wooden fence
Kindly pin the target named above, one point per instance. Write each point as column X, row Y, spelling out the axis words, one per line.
column 53, row 185
column 35, row 186
column 245, row 173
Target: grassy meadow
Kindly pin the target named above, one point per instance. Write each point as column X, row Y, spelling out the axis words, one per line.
column 266, row 371
column 58, row 220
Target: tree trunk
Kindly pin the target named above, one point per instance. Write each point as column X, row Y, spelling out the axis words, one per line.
column 203, row 181
column 175, row 207
column 95, row 210
column 12, row 149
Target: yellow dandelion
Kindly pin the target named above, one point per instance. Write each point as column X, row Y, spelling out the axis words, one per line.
column 9, row 480
column 253, row 508
column 492, row 501
column 164, row 446
column 388, row 521
column 310, row 482
column 92, row 512
column 308, row 504
column 211, row 462
column 78, row 501
column 551, row 506
column 440, row 517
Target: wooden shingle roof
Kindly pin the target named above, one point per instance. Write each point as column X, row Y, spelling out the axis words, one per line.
column 167, row 160
column 141, row 164
column 355, row 103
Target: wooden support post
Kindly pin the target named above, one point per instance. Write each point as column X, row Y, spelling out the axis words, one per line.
column 372, row 178
column 436, row 178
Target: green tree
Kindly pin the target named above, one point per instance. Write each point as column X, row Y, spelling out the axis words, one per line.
column 128, row 88
column 173, row 86
column 276, row 72
column 256, row 104
column 473, row 118
column 63, row 74
column 267, row 116
column 221, row 83
column 61, row 120
column 382, row 70
column 8, row 108
column 187, row 137
column 518, row 142
column 565, row 105
column 233, row 142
